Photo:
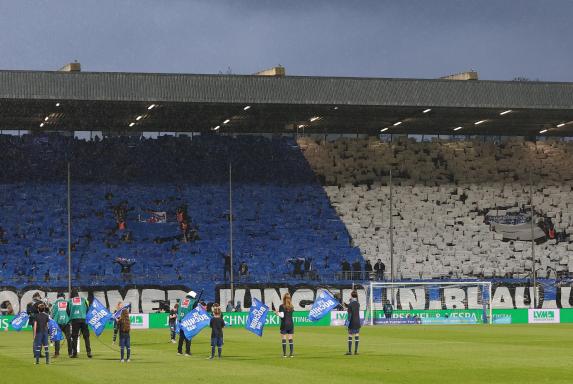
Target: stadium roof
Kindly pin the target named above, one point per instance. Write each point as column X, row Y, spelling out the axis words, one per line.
column 114, row 101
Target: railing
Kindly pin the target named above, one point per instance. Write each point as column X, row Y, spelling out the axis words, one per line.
column 95, row 280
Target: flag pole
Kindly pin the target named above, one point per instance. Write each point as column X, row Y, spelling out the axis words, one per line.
column 231, row 232
column 69, row 234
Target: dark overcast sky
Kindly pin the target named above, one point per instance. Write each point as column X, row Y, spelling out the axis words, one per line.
column 501, row 39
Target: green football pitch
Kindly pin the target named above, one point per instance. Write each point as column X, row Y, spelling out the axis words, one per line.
column 397, row 354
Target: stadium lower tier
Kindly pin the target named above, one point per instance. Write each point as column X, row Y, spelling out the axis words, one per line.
column 275, row 228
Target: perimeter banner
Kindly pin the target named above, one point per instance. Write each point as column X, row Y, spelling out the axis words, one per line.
column 506, row 294
column 338, row 318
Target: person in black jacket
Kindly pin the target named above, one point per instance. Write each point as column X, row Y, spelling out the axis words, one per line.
column 217, row 324
column 227, row 269
column 379, row 268
column 357, row 270
column 368, row 269
column 32, row 308
column 32, row 311
column 173, row 322
column 285, row 312
column 353, row 309
column 345, row 266
column 41, row 333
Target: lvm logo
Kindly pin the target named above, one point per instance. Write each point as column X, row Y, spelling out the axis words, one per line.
column 341, row 316
column 544, row 315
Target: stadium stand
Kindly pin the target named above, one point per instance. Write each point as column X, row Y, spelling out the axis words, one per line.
column 280, row 210
column 461, row 208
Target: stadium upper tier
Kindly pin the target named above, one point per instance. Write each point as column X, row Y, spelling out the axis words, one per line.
column 280, row 211
column 460, row 209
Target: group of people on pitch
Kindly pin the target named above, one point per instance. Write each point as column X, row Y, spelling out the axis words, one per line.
column 181, row 309
column 70, row 315
column 284, row 312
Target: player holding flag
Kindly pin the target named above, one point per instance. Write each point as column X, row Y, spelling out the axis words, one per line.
column 353, row 309
column 285, row 312
column 61, row 317
column 116, row 320
column 184, row 306
column 116, row 315
column 124, row 327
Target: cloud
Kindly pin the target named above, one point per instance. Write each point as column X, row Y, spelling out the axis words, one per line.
column 408, row 38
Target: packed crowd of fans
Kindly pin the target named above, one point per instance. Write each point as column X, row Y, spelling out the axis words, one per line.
column 158, row 210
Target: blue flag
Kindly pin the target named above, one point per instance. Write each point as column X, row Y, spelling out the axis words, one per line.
column 117, row 313
column 322, row 306
column 54, row 331
column 98, row 316
column 257, row 317
column 194, row 322
column 20, row 321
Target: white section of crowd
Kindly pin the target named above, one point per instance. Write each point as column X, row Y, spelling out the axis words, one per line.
column 440, row 193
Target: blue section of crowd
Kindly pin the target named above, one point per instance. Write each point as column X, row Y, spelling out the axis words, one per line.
column 280, row 211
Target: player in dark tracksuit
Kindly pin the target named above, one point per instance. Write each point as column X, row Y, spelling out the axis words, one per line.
column 173, row 322
column 32, row 311
column 353, row 309
column 41, row 333
column 217, row 324
column 287, row 324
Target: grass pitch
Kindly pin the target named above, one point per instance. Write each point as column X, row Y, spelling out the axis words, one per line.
column 396, row 354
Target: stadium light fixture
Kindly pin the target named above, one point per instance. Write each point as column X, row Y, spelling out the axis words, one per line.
column 457, row 128
column 247, row 107
column 226, row 121
column 301, row 126
column 397, row 123
column 139, row 117
column 41, row 125
column 217, row 127
column 57, row 104
column 560, row 125
column 151, row 107
column 543, row 131
column 46, row 118
column 131, row 124
column 335, row 108
column 384, row 129
column 426, row 110
column 506, row 112
column 312, row 119
column 480, row 122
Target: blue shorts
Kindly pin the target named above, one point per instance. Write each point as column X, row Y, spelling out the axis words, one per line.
column 287, row 331
column 353, row 331
column 216, row 341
